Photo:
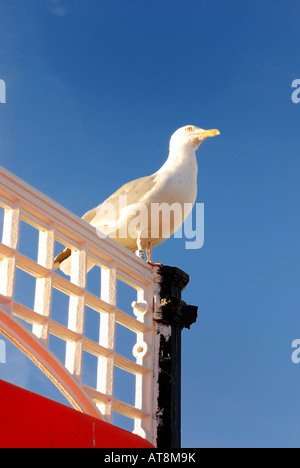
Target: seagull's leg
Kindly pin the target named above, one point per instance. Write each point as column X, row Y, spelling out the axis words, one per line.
column 149, row 252
column 149, row 256
column 140, row 251
column 139, row 242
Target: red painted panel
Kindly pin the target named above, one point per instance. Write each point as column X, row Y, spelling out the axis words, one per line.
column 30, row 420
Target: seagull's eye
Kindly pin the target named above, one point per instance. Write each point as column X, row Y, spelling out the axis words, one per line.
column 189, row 129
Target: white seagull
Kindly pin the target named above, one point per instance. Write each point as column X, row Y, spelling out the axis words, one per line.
column 174, row 183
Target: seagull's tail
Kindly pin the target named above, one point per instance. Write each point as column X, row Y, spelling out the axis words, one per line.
column 63, row 261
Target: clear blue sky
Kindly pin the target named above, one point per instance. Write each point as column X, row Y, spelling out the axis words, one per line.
column 94, row 91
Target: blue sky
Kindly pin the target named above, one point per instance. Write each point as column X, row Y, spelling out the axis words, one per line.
column 94, row 91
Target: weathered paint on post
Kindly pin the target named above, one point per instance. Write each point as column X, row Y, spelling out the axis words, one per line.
column 171, row 316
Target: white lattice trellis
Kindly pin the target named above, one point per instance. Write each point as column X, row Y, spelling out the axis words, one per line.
column 31, row 328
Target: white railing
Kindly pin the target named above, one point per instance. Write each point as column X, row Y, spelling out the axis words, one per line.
column 32, row 328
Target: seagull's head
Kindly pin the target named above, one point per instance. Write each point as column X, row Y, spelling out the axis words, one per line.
column 191, row 136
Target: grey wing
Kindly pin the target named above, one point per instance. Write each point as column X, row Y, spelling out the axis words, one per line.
column 134, row 191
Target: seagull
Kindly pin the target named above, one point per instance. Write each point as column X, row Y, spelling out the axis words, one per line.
column 173, row 185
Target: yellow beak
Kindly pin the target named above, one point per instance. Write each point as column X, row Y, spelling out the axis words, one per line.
column 209, row 133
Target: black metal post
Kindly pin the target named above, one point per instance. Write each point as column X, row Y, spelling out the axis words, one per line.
column 171, row 317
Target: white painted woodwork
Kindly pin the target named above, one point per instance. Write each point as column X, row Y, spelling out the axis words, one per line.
column 54, row 223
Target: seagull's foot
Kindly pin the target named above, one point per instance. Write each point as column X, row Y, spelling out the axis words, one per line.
column 154, row 264
column 141, row 254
